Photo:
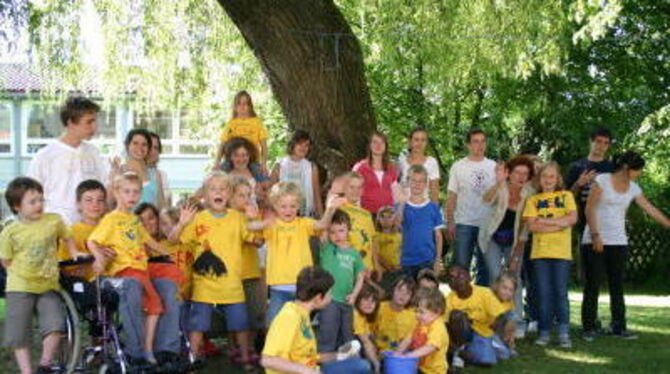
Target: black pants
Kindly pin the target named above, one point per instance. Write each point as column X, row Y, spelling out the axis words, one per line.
column 612, row 262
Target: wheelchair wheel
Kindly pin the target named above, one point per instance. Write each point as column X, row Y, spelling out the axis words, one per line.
column 69, row 350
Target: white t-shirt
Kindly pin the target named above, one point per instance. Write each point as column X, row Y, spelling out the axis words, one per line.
column 470, row 180
column 430, row 164
column 60, row 168
column 611, row 211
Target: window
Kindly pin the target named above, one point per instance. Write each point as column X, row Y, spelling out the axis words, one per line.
column 6, row 121
column 174, row 132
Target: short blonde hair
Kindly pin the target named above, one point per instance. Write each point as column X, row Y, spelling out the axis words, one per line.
column 217, row 175
column 127, row 176
column 351, row 175
column 559, row 177
column 237, row 181
column 282, row 189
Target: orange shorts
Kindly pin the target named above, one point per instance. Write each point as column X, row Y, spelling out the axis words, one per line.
column 166, row 270
column 151, row 300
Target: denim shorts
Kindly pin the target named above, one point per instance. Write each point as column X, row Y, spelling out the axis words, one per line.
column 200, row 316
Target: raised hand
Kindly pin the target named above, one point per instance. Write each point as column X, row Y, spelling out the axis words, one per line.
column 187, row 212
column 501, row 172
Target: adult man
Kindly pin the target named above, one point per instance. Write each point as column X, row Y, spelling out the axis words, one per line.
column 583, row 171
column 469, row 178
column 63, row 164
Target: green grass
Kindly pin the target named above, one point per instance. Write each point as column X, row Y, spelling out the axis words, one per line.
column 649, row 354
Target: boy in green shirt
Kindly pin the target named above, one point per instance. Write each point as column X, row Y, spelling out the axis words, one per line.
column 345, row 264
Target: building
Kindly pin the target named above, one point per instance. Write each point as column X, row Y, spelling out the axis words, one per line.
column 29, row 122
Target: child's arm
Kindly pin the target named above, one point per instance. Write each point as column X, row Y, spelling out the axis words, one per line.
column 370, row 352
column 316, row 187
column 360, row 279
column 286, row 366
column 537, row 226
column 72, row 248
column 562, row 222
column 102, row 255
column 421, row 352
column 404, row 344
column 334, row 202
column 153, row 245
column 438, row 266
column 186, row 214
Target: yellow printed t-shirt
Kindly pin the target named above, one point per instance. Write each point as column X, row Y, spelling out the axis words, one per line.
column 182, row 255
column 288, row 249
column 80, row 233
column 392, row 327
column 124, row 234
column 251, row 128
column 291, row 337
column 32, row 247
column 362, row 232
column 482, row 307
column 361, row 324
column 556, row 244
column 223, row 234
column 389, row 247
column 434, row 334
column 250, row 265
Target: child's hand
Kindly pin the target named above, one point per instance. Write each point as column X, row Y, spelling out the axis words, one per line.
column 187, row 212
column 98, row 266
column 335, row 202
column 350, row 299
column 251, row 211
column 400, row 195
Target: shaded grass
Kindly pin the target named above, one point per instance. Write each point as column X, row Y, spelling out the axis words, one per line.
column 648, row 354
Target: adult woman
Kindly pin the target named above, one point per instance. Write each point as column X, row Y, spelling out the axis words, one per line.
column 378, row 173
column 241, row 160
column 295, row 167
column 416, row 155
column 605, row 243
column 137, row 144
column 502, row 238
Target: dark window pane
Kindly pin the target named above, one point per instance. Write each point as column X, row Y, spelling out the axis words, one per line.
column 44, row 121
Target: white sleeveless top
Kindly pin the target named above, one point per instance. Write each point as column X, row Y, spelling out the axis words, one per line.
column 300, row 173
column 611, row 211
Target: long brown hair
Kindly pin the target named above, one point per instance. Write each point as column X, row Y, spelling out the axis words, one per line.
column 385, row 156
column 236, row 100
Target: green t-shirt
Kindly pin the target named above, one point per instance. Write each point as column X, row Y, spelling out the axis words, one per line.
column 344, row 265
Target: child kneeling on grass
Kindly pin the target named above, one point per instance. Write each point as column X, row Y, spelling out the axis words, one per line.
column 290, row 346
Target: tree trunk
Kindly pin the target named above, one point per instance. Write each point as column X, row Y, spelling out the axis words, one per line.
column 315, row 67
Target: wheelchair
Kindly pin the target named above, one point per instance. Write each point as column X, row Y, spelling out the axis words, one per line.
column 97, row 303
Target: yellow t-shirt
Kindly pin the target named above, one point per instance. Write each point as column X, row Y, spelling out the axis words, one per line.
column 224, row 234
column 291, row 337
column 123, row 233
column 482, row 307
column 182, row 255
column 556, row 244
column 250, row 265
column 251, row 128
column 434, row 334
column 288, row 249
column 80, row 233
column 362, row 232
column 389, row 247
column 507, row 305
column 32, row 247
column 361, row 324
column 392, row 327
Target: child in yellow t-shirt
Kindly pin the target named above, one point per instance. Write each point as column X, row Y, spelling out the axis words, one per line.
column 181, row 254
column 429, row 340
column 244, row 124
column 363, row 232
column 28, row 249
column 366, row 307
column 504, row 288
column 92, row 205
column 550, row 215
column 389, row 240
column 287, row 238
column 219, row 234
column 290, row 346
column 122, row 232
column 396, row 317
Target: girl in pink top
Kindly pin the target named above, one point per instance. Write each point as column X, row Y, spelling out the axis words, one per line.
column 378, row 173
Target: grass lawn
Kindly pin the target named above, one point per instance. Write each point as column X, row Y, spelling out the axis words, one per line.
column 648, row 316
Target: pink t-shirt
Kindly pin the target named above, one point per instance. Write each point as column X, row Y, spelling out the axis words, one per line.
column 376, row 194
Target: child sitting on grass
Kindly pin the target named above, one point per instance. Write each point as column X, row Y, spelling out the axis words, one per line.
column 365, row 313
column 28, row 249
column 504, row 288
column 396, row 317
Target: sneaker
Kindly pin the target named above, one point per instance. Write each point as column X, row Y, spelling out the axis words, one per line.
column 542, row 340
column 624, row 334
column 348, row 349
column 457, row 362
column 532, row 327
column 589, row 335
column 564, row 341
column 520, row 332
column 48, row 369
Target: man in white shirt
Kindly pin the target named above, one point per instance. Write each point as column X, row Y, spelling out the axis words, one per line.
column 465, row 210
column 70, row 160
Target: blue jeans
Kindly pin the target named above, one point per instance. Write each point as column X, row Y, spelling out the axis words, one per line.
column 465, row 246
column 496, row 257
column 354, row 365
column 552, row 294
column 277, row 301
column 529, row 282
column 132, row 316
column 413, row 270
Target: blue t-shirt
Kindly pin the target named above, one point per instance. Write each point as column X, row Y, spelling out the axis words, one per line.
column 418, row 233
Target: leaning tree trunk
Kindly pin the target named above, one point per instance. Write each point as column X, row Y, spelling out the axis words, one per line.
column 315, row 67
